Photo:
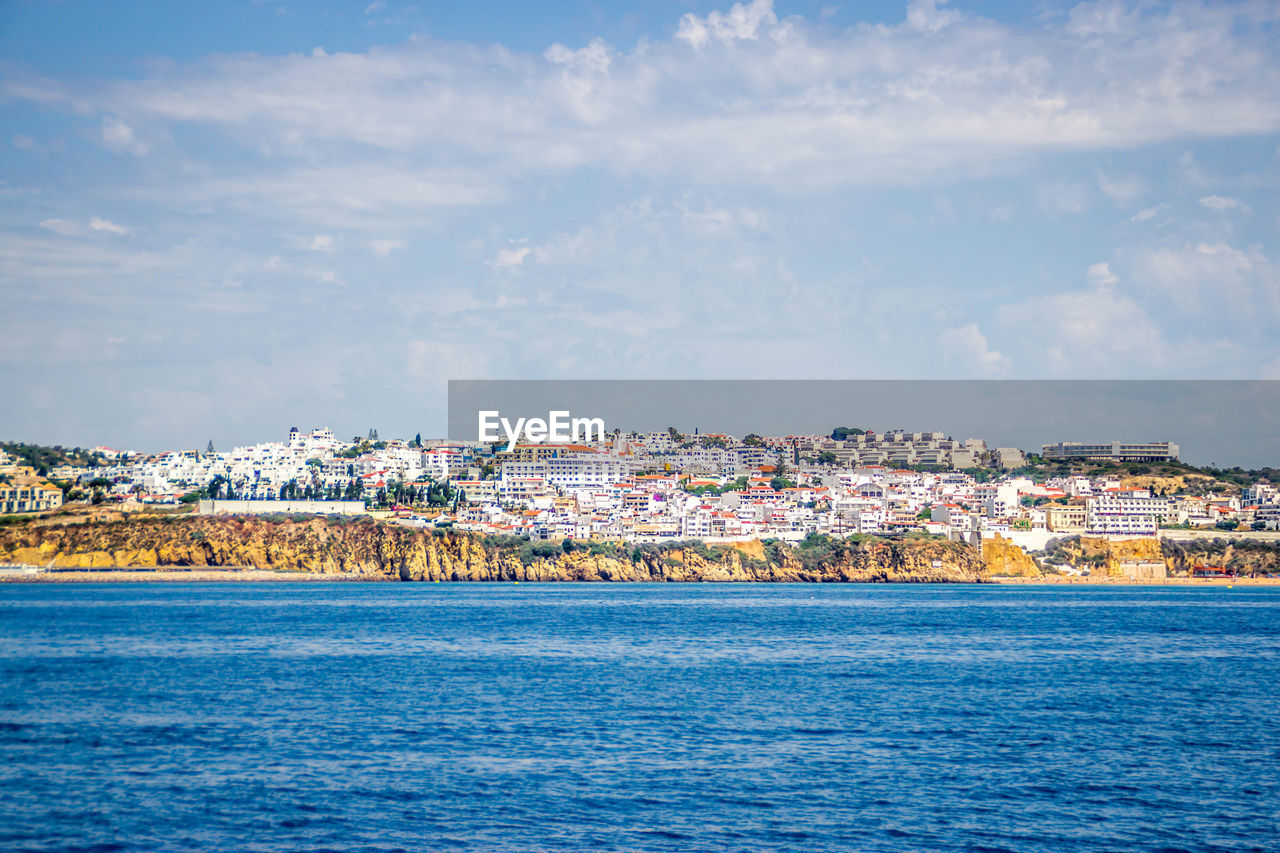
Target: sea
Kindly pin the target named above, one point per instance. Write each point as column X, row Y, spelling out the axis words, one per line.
column 531, row 717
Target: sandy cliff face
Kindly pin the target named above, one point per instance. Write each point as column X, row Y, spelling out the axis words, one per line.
column 1103, row 556
column 1243, row 556
column 1004, row 559
column 389, row 551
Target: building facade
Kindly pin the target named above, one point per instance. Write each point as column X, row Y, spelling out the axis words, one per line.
column 1115, row 451
column 36, row 497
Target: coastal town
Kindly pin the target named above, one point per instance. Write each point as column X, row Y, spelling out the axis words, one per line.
column 663, row 486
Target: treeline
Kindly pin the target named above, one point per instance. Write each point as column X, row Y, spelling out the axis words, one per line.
column 397, row 494
column 44, row 457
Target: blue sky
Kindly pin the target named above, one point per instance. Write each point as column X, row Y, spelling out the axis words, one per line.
column 225, row 219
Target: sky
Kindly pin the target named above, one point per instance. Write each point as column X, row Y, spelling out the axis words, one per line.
column 224, row 219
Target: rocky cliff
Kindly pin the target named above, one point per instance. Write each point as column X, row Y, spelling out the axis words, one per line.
column 1005, row 559
column 1244, row 556
column 389, row 551
column 1104, row 556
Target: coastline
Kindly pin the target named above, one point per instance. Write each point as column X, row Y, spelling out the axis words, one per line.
column 1052, row 580
column 179, row 574
column 183, row 575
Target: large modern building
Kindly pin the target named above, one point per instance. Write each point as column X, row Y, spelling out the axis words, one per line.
column 1116, row 451
column 1124, row 512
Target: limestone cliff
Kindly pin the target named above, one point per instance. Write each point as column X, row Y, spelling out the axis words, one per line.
column 389, row 551
column 1103, row 556
column 1005, row 559
column 1243, row 556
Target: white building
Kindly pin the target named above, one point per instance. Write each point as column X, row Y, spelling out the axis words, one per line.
column 1131, row 512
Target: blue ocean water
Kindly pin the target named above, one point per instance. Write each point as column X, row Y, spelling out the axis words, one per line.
column 638, row 717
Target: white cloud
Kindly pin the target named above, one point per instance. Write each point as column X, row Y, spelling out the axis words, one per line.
column 68, row 228
column 1100, row 274
column 321, row 243
column 708, row 219
column 740, row 22
column 98, row 224
column 1221, row 204
column 1221, row 286
column 925, row 15
column 382, row 248
column 119, row 136
column 340, row 196
column 1123, row 189
column 61, row 226
column 1097, row 331
column 969, row 344
column 796, row 106
column 376, row 6
column 508, row 258
column 757, row 149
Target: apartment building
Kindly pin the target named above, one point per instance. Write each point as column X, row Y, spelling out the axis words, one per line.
column 1260, row 493
column 32, row 497
column 479, row 491
column 1115, row 451
column 67, row 472
column 1070, row 518
column 1131, row 512
column 572, row 472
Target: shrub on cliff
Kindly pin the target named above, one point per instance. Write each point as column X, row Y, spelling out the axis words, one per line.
column 531, row 551
column 709, row 553
column 603, row 549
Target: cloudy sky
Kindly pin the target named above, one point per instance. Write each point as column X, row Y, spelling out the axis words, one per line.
column 224, row 219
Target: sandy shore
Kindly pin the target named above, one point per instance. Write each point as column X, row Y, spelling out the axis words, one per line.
column 1058, row 580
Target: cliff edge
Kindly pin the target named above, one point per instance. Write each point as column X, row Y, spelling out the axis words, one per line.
column 388, row 551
